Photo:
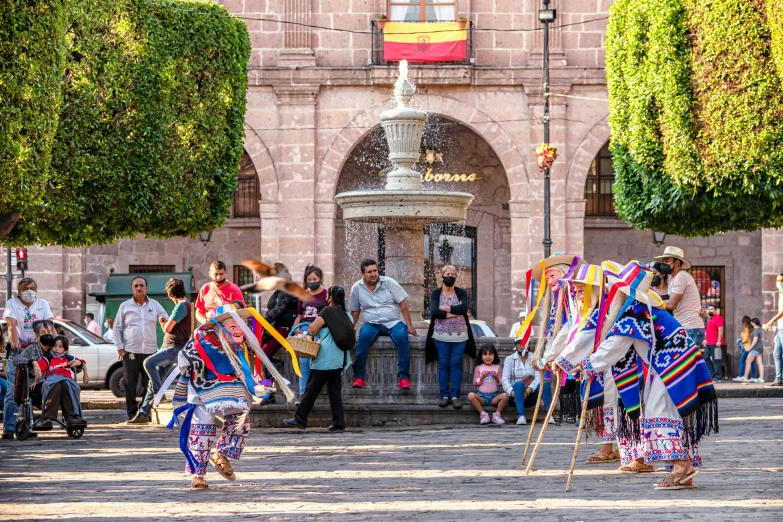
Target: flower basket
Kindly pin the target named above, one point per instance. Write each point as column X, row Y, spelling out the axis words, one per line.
column 303, row 347
column 463, row 22
column 381, row 22
column 545, row 155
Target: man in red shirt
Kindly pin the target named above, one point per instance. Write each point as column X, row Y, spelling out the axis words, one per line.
column 714, row 339
column 216, row 293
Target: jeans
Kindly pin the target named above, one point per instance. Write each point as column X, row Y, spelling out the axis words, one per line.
column 156, row 365
column 9, row 404
column 709, row 360
column 369, row 333
column 450, row 367
column 778, row 353
column 333, row 380
column 530, row 400
column 754, row 372
column 3, row 389
column 696, row 335
column 304, row 368
column 132, row 369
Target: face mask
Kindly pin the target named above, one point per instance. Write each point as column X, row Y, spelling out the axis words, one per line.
column 58, row 351
column 780, row 286
column 665, row 269
column 710, row 314
column 28, row 296
column 105, row 324
column 314, row 285
column 522, row 352
column 449, row 281
column 656, row 280
column 47, row 340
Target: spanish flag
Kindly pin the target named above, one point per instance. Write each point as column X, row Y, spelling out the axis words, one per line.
column 435, row 42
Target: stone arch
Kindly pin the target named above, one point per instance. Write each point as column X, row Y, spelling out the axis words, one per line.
column 262, row 161
column 588, row 148
column 478, row 121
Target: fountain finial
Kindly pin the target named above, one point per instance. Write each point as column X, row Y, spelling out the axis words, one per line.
column 404, row 89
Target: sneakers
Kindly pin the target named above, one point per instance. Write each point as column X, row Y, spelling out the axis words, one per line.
column 140, row 418
column 551, row 420
column 758, row 381
column 405, row 384
column 444, row 402
column 497, row 419
column 456, row 403
column 8, row 435
column 335, row 429
column 484, row 418
column 358, row 383
column 740, row 379
column 521, row 420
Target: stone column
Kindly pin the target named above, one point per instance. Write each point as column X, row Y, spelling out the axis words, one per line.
column 771, row 266
column 523, row 251
column 297, row 39
column 325, row 215
column 296, row 174
column 405, row 264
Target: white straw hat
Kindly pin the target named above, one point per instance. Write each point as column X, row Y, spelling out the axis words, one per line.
column 676, row 253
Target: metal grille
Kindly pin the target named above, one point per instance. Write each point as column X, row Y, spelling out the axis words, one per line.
column 598, row 186
column 150, row 269
column 244, row 276
column 709, row 281
column 246, row 199
column 376, row 52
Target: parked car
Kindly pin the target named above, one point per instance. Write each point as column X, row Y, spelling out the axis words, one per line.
column 103, row 365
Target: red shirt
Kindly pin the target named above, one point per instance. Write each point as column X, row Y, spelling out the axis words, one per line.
column 57, row 365
column 711, row 333
column 210, row 297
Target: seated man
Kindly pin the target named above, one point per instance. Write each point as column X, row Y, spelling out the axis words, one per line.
column 381, row 302
column 522, row 382
column 60, row 390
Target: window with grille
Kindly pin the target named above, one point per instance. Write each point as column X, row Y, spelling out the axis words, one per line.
column 709, row 281
column 243, row 276
column 248, row 193
column 150, row 269
column 422, row 10
column 598, row 186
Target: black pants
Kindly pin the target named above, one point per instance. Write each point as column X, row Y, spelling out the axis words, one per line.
column 333, row 380
column 59, row 397
column 132, row 368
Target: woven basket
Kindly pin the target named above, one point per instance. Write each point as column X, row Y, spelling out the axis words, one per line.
column 303, row 347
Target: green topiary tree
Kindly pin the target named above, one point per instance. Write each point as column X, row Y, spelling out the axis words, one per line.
column 32, row 58
column 151, row 124
column 695, row 94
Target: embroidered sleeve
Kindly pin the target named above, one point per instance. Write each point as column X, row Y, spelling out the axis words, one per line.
column 577, row 350
column 609, row 352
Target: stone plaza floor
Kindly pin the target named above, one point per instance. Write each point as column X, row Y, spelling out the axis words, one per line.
column 437, row 473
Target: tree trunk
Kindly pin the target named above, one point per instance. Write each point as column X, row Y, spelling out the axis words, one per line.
column 7, row 223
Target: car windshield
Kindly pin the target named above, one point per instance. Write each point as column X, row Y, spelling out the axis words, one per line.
column 84, row 332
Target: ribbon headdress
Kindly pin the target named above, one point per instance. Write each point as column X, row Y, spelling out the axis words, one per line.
column 535, row 277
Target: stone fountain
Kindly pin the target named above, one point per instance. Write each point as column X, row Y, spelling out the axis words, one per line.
column 403, row 207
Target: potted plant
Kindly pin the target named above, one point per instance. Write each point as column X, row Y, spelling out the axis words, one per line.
column 380, row 21
column 463, row 22
column 546, row 155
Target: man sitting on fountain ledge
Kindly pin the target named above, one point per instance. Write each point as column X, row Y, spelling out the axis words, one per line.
column 380, row 300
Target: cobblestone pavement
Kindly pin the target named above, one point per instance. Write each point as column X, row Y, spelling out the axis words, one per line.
column 121, row 473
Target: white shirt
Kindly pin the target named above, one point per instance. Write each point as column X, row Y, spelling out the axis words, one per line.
column 515, row 369
column 25, row 317
column 109, row 335
column 687, row 312
column 135, row 327
column 515, row 328
column 94, row 327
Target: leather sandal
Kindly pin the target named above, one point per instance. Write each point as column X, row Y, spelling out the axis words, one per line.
column 636, row 467
column 223, row 466
column 198, row 483
column 601, row 458
column 678, row 481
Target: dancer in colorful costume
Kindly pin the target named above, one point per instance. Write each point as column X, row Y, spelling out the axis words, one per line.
column 680, row 404
column 220, row 371
column 586, row 291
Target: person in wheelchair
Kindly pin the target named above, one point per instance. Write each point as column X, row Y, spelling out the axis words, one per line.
column 60, row 390
column 44, row 340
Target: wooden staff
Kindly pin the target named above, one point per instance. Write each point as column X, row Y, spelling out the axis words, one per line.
column 579, row 434
column 535, row 416
column 546, row 423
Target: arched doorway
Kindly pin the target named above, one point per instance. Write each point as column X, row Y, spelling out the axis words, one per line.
column 453, row 157
column 247, row 194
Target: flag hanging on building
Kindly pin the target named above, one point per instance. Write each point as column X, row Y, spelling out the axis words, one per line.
column 421, row 42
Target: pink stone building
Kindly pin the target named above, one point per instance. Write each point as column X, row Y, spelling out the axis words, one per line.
column 313, row 107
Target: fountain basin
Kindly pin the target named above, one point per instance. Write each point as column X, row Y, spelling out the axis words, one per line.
column 404, row 208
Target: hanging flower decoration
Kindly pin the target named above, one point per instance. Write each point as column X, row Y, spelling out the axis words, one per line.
column 546, row 155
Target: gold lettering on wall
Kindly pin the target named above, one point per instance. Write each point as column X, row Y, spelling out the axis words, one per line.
column 444, row 177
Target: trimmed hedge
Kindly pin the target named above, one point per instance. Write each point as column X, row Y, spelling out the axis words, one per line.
column 151, row 126
column 32, row 58
column 695, row 109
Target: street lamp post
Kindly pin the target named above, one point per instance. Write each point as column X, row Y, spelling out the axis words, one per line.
column 546, row 16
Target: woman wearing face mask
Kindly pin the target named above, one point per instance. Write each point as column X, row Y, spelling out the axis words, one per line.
column 449, row 336
column 308, row 312
column 660, row 282
column 20, row 314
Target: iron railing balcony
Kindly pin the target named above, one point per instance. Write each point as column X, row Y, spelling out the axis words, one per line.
column 376, row 51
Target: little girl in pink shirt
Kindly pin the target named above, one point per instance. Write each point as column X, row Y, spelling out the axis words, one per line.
column 487, row 378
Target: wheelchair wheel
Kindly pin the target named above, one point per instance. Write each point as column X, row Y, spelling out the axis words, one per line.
column 22, row 429
column 75, row 433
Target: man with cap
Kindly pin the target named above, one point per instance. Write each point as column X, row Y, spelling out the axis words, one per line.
column 515, row 327
column 684, row 300
column 522, row 382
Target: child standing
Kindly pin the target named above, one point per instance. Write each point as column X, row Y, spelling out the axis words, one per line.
column 487, row 376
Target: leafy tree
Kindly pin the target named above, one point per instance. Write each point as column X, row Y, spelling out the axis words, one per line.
column 695, row 94
column 150, row 123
